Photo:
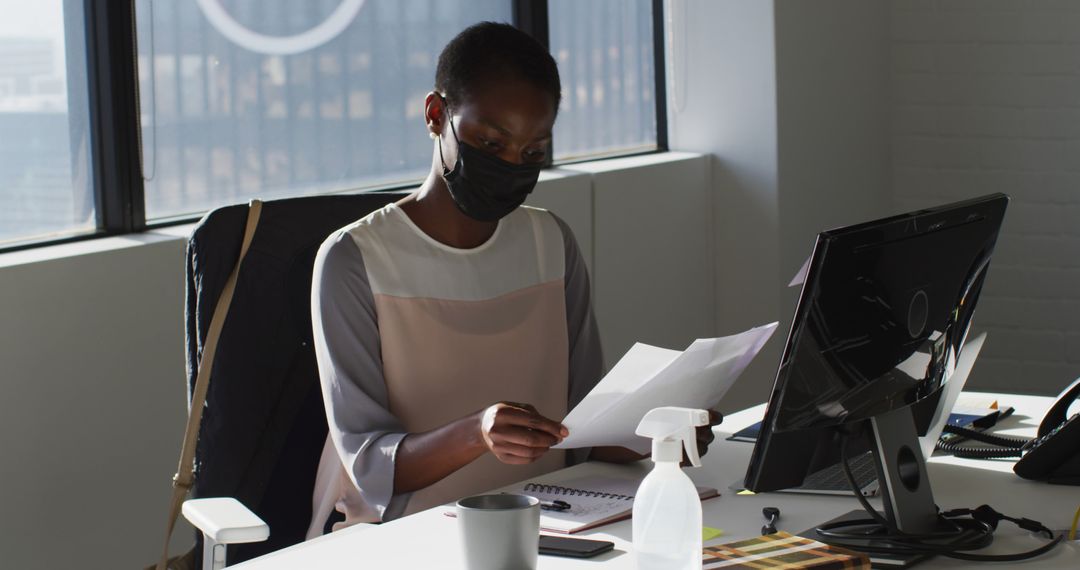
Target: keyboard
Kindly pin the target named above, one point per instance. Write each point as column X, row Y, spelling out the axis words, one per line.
column 831, row 480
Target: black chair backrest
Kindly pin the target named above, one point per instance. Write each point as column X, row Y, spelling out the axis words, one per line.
column 264, row 423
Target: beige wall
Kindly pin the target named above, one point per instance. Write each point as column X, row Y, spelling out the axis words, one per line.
column 986, row 98
column 93, row 403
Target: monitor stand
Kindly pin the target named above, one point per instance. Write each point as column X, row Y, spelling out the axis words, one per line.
column 906, row 494
column 905, row 490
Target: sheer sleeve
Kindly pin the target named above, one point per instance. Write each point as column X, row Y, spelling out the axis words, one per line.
column 364, row 432
column 586, row 357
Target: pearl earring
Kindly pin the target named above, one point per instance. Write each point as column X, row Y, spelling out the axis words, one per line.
column 432, row 135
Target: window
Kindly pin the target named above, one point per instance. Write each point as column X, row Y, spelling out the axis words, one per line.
column 45, row 179
column 222, row 123
column 214, row 102
column 604, row 49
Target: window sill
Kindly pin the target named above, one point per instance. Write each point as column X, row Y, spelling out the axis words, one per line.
column 93, row 246
column 182, row 231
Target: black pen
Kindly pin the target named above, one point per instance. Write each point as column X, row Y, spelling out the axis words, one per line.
column 555, row 505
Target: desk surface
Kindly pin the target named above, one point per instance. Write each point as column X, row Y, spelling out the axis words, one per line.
column 417, row 540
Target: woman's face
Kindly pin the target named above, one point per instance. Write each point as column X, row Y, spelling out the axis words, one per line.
column 509, row 119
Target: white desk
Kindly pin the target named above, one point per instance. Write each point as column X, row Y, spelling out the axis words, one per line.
column 430, row 539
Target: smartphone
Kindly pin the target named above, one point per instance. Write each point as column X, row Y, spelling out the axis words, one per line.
column 573, row 547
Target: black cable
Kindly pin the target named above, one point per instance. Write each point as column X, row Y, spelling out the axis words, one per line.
column 981, row 526
column 1014, row 557
column 846, row 464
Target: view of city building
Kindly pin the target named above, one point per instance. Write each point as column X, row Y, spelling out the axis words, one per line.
column 224, row 122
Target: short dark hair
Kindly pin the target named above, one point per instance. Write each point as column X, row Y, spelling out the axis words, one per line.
column 488, row 50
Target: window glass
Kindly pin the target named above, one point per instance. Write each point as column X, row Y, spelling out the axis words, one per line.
column 45, row 183
column 272, row 98
column 604, row 50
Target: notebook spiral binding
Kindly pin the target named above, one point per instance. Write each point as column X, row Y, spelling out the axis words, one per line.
column 571, row 492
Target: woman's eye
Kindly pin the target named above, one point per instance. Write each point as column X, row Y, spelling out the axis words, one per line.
column 535, row 155
column 490, row 144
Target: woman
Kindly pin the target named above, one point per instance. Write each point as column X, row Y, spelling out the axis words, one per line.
column 453, row 327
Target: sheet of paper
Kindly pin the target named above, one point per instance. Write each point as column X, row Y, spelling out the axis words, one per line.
column 953, row 386
column 800, row 277
column 696, row 378
column 636, row 367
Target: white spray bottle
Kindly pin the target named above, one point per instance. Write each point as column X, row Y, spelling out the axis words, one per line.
column 667, row 508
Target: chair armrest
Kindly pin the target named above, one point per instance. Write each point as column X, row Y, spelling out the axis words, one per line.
column 224, row 520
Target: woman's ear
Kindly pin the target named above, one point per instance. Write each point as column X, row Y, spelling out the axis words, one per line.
column 435, row 112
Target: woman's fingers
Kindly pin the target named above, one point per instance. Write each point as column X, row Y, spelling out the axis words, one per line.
column 519, row 416
column 522, row 436
column 522, row 451
column 705, row 434
column 517, row 434
column 515, row 454
column 511, row 459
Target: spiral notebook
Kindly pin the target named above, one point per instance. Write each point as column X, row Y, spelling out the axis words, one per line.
column 594, row 501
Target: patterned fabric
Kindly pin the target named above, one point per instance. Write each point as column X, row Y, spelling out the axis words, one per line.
column 782, row 551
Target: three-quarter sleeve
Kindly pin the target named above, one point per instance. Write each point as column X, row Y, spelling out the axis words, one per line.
column 586, row 357
column 364, row 432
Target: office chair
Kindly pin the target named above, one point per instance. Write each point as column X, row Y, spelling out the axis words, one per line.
column 264, row 425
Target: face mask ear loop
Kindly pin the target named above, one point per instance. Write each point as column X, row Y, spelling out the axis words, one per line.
column 442, row 160
column 446, row 105
column 456, row 139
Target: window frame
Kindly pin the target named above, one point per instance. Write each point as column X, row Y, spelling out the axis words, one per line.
column 115, row 135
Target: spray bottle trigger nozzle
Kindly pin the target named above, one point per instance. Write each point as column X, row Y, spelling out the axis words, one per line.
column 690, row 444
column 667, row 425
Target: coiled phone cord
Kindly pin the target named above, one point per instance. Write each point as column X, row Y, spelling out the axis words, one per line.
column 1006, row 446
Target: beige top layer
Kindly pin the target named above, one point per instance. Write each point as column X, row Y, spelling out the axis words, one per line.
column 411, row 333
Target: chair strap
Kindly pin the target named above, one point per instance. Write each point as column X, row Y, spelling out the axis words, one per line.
column 184, row 478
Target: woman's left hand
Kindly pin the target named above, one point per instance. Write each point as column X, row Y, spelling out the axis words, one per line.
column 705, row 436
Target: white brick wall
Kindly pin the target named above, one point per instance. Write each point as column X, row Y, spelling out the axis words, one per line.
column 986, row 98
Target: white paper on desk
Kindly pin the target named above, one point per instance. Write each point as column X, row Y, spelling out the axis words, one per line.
column 652, row 377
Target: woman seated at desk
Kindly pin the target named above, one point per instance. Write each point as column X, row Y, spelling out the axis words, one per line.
column 453, row 326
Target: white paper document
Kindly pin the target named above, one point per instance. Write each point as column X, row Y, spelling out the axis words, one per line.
column 800, row 277
column 648, row 377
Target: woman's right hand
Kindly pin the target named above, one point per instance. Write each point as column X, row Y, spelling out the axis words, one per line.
column 517, row 434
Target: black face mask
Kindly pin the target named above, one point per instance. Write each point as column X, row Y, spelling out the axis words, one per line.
column 484, row 186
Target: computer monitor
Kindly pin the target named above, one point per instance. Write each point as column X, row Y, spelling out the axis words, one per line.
column 883, row 314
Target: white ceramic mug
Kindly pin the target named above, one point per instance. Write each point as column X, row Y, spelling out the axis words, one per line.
column 500, row 532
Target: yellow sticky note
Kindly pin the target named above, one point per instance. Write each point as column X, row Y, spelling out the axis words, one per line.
column 745, row 492
column 708, row 533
